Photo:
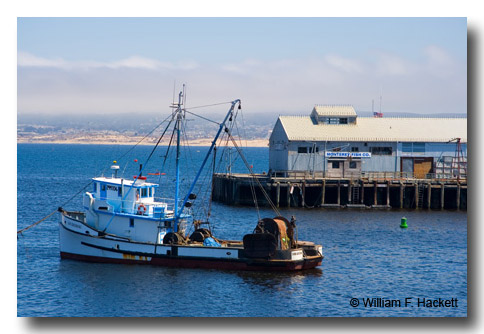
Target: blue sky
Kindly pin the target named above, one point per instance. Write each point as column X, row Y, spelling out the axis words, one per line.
column 277, row 65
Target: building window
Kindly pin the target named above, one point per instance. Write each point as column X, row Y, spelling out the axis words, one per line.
column 302, row 149
column 355, row 149
column 131, row 222
column 413, row 147
column 335, row 164
column 343, row 121
column 336, row 149
column 381, row 150
column 352, row 164
column 407, row 147
column 313, row 149
column 419, row 147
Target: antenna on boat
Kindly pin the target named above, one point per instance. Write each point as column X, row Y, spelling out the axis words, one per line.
column 174, row 85
column 115, row 169
column 179, row 117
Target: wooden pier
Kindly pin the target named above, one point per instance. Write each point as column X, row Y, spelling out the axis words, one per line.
column 378, row 190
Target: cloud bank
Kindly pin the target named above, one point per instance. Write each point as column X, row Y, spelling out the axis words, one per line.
column 431, row 82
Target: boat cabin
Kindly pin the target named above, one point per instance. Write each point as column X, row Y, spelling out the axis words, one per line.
column 115, row 189
column 113, row 194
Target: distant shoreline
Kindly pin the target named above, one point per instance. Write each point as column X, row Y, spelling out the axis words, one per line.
column 133, row 141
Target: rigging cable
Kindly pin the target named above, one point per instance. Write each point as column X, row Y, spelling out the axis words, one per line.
column 253, row 175
column 90, row 182
column 211, row 105
column 204, row 118
column 251, row 181
column 141, row 170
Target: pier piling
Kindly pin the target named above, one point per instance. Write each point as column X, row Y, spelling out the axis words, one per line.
column 457, row 197
column 288, row 195
column 339, row 193
column 429, row 195
column 416, row 196
column 388, row 193
column 375, row 193
column 323, row 191
column 330, row 192
column 442, row 196
column 278, row 193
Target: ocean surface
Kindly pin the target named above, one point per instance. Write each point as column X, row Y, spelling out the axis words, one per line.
column 367, row 256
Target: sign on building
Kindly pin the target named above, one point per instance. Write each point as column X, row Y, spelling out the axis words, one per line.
column 348, row 154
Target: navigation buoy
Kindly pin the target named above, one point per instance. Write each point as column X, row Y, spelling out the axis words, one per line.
column 403, row 223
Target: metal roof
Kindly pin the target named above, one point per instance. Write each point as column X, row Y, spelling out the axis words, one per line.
column 334, row 110
column 371, row 129
column 128, row 183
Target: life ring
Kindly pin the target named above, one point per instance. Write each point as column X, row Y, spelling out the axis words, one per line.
column 141, row 209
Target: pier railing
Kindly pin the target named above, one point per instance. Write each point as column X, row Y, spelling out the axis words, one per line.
column 367, row 176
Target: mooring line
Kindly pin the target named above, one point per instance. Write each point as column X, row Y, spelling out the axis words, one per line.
column 36, row 223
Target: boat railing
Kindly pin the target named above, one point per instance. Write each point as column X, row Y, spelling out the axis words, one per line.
column 147, row 207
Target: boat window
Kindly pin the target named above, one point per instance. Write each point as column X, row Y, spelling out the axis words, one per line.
column 94, row 188
column 144, row 192
column 131, row 222
column 103, row 187
column 120, row 191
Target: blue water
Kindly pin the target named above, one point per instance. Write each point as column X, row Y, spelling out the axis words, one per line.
column 367, row 255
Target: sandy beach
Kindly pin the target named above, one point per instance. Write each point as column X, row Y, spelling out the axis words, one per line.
column 123, row 140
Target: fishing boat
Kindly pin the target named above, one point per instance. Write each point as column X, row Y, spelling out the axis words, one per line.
column 123, row 222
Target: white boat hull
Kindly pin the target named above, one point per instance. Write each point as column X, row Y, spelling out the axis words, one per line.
column 80, row 242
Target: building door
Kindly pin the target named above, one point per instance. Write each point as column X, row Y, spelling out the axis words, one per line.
column 419, row 167
column 352, row 168
column 335, row 168
column 407, row 166
column 422, row 167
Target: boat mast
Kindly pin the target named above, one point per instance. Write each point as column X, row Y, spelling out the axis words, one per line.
column 179, row 116
column 214, row 141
